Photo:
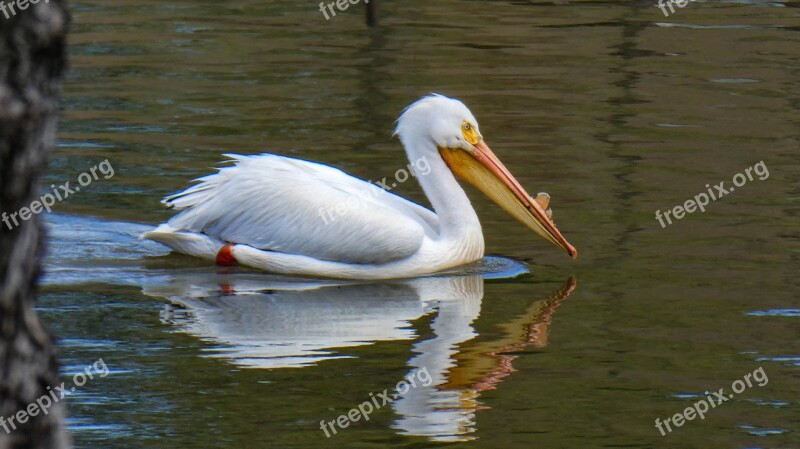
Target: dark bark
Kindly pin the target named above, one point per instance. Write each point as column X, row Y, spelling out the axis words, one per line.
column 32, row 62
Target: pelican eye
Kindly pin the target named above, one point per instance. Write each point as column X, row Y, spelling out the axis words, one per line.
column 469, row 132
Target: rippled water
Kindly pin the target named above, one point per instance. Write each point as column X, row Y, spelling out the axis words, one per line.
column 612, row 108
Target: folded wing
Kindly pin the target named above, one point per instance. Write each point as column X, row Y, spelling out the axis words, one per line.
column 288, row 205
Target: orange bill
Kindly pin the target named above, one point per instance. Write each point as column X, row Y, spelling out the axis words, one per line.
column 483, row 169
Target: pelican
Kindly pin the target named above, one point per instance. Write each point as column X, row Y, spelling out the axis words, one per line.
column 266, row 211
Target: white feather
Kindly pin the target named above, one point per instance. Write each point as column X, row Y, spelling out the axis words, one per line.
column 277, row 203
column 296, row 217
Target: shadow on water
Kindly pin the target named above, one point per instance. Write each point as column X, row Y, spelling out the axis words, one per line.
column 265, row 321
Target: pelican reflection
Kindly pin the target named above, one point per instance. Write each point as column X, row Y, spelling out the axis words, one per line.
column 263, row 322
column 266, row 321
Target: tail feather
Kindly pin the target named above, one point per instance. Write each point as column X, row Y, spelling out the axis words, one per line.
column 204, row 187
column 190, row 243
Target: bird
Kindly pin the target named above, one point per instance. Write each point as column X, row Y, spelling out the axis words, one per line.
column 290, row 216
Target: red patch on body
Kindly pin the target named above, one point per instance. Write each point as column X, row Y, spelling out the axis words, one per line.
column 225, row 256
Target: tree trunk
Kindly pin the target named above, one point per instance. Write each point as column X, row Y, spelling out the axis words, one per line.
column 32, row 61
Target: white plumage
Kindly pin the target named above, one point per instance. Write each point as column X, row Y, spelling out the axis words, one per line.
column 301, row 215
column 275, row 211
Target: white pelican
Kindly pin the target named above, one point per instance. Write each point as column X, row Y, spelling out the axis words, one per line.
column 264, row 211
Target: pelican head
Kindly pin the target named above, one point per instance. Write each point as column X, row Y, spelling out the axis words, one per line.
column 454, row 131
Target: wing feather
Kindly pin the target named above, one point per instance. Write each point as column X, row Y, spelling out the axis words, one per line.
column 282, row 204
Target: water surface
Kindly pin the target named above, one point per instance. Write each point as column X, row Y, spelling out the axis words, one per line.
column 612, row 108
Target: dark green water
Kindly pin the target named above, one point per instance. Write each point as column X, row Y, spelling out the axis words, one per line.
column 612, row 108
